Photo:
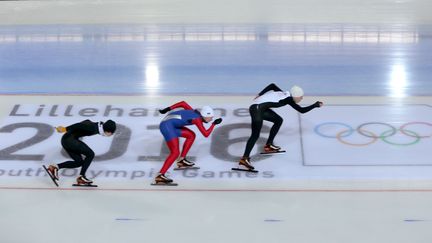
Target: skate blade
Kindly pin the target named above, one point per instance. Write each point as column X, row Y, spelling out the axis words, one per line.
column 81, row 185
column 277, row 152
column 49, row 174
column 187, row 168
column 164, row 184
column 246, row 170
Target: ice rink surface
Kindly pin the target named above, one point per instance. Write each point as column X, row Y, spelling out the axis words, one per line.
column 356, row 170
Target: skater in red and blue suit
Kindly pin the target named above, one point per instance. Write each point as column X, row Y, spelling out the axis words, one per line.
column 173, row 126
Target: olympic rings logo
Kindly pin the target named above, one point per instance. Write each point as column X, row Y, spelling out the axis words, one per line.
column 374, row 131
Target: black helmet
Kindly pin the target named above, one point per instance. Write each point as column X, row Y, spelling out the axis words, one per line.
column 109, row 126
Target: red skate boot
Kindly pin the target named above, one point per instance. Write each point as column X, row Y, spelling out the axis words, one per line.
column 184, row 164
column 272, row 149
column 162, row 180
column 84, row 182
column 52, row 171
column 245, row 165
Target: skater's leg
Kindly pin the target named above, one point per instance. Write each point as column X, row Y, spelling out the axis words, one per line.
column 88, row 153
column 76, row 162
column 76, row 154
column 89, row 156
column 71, row 146
column 190, row 138
column 256, row 126
column 173, row 146
column 270, row 115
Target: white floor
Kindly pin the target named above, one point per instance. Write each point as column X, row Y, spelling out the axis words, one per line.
column 96, row 216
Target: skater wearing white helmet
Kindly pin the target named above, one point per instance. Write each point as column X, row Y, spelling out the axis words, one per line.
column 261, row 109
column 173, row 126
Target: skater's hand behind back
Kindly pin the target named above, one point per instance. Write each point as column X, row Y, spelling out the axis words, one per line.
column 217, row 121
column 61, row 129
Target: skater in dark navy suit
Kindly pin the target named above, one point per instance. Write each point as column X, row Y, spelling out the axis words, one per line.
column 173, row 126
column 261, row 109
column 81, row 154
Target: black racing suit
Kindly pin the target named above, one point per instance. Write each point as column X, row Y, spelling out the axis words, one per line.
column 263, row 111
column 76, row 148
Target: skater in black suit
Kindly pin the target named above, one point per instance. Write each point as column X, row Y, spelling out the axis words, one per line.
column 261, row 109
column 81, row 154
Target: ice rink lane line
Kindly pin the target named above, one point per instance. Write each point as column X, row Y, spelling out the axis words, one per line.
column 218, row 190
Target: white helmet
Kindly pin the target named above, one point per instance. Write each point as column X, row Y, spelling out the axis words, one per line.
column 207, row 111
column 296, row 91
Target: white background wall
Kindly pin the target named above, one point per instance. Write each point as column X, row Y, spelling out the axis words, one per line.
column 216, row 11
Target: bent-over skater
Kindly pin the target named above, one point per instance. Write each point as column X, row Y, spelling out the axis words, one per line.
column 81, row 154
column 261, row 109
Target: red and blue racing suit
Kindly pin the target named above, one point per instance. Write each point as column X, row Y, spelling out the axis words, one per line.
column 174, row 125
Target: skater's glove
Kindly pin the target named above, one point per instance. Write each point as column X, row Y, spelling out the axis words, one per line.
column 217, row 121
column 61, row 129
column 318, row 104
column 163, row 111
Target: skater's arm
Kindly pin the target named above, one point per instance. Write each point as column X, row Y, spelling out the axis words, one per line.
column 81, row 126
column 271, row 86
column 290, row 101
column 181, row 104
column 205, row 132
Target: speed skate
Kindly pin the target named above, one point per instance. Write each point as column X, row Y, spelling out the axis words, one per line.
column 50, row 175
column 245, row 165
column 85, row 185
column 162, row 180
column 247, row 170
column 273, row 152
column 187, row 168
column 164, row 184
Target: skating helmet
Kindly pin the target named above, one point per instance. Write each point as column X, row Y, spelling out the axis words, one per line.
column 109, row 126
column 296, row 91
column 207, row 111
